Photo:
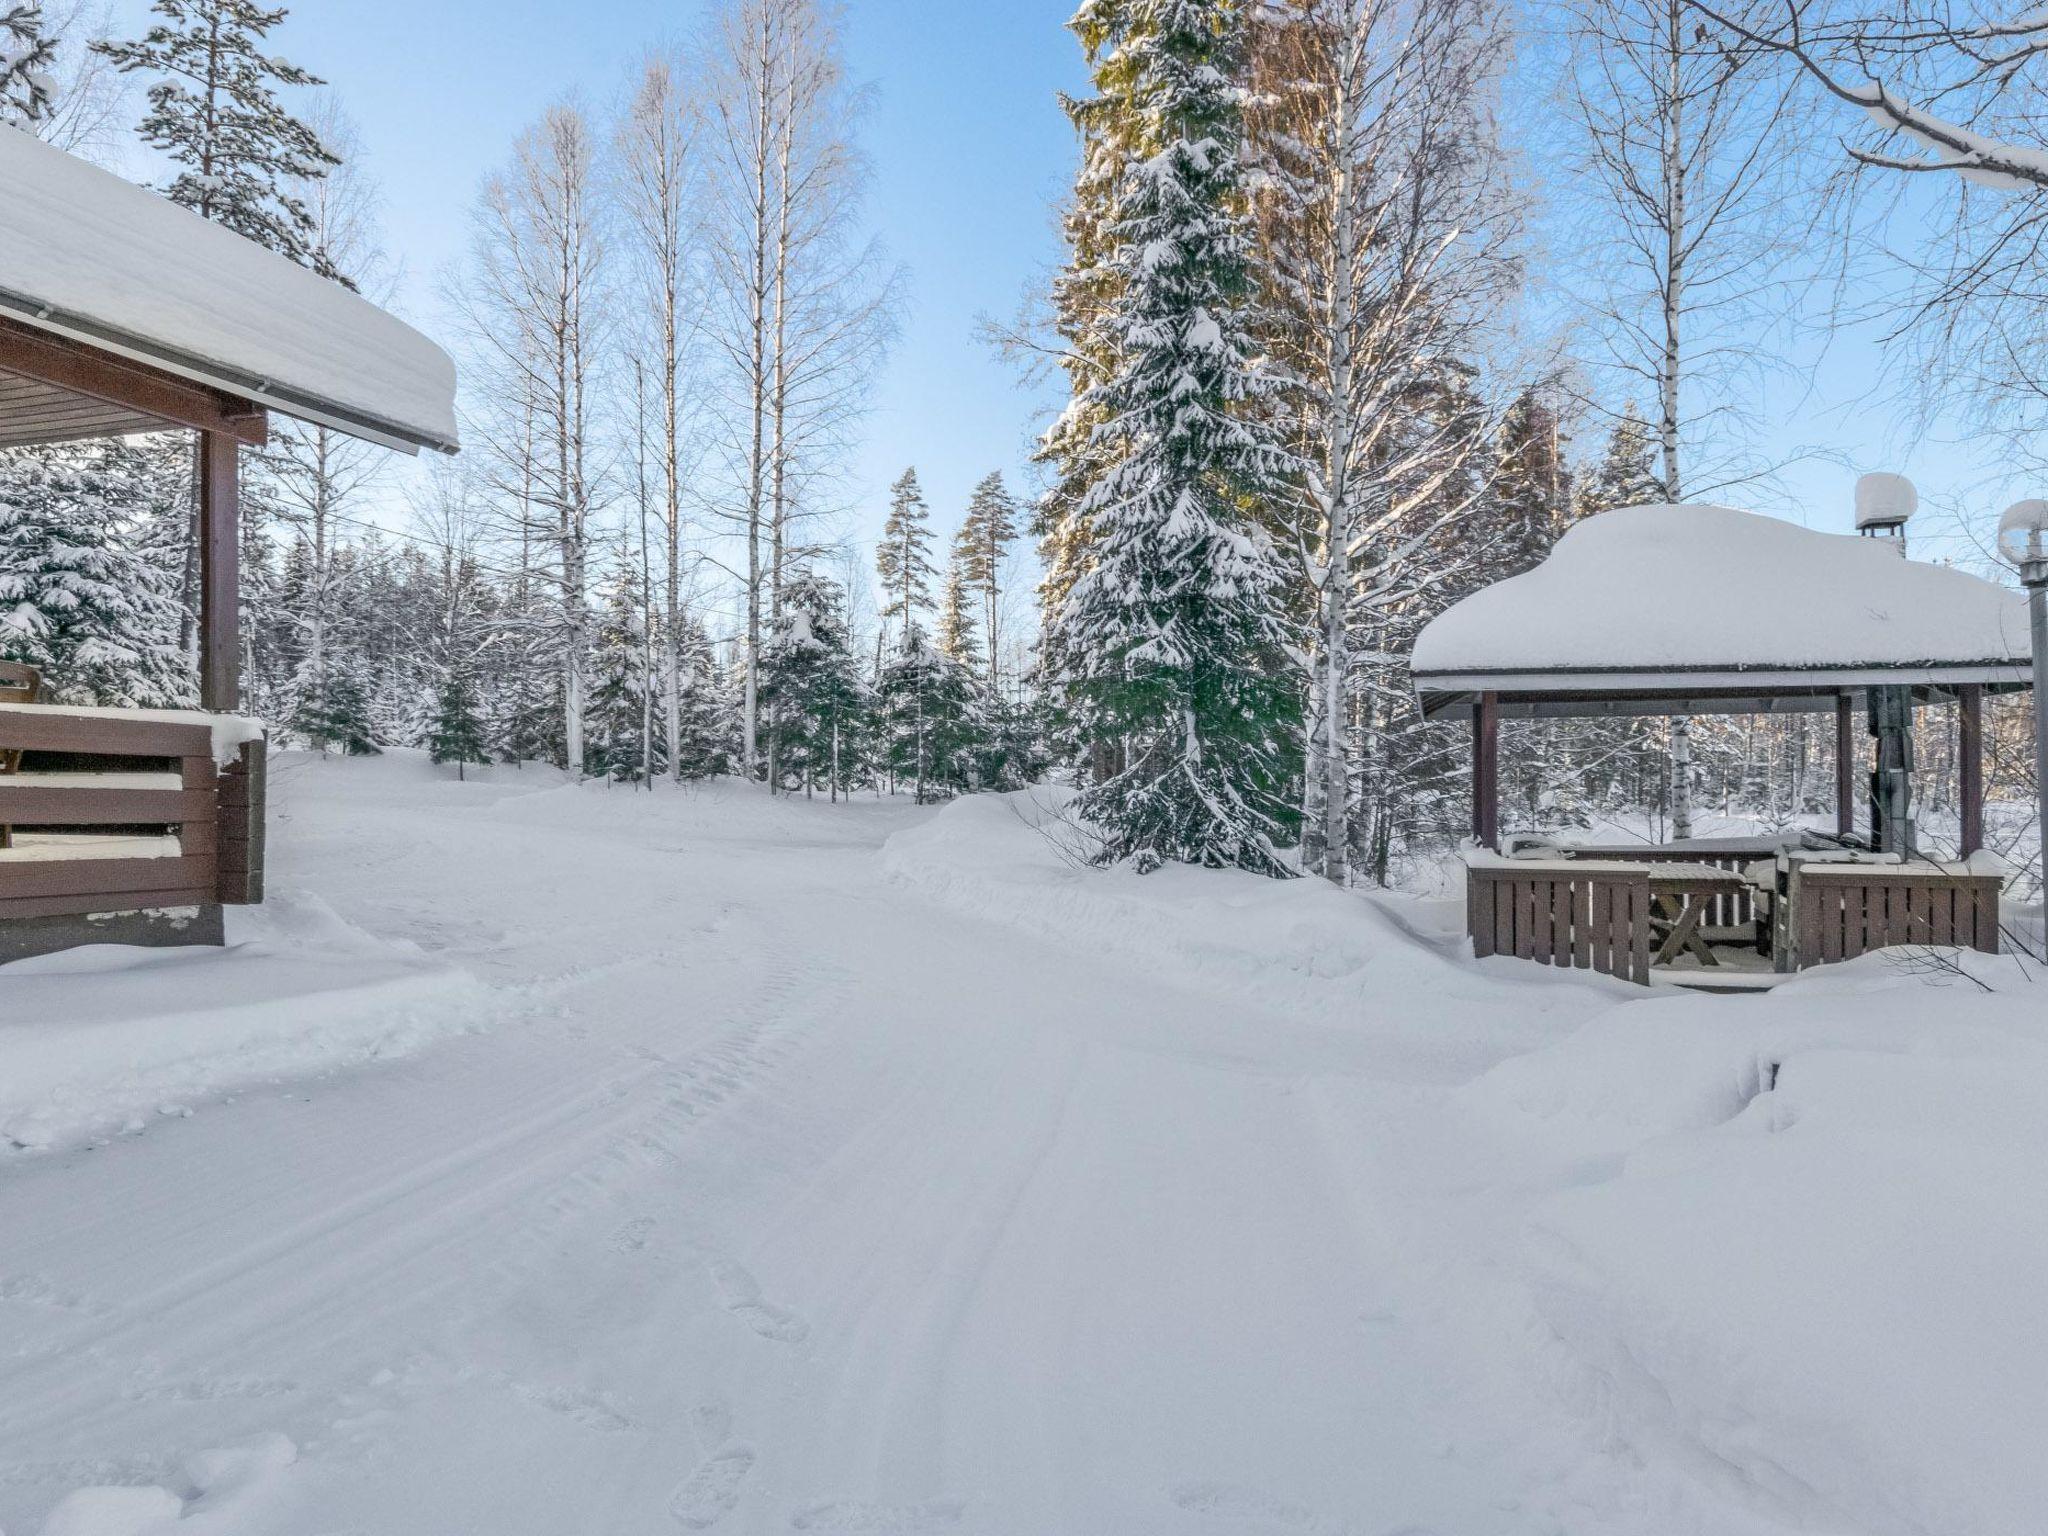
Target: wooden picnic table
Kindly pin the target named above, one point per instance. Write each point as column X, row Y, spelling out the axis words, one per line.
column 1681, row 895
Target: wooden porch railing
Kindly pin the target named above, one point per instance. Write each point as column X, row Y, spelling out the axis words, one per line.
column 96, row 801
column 1592, row 917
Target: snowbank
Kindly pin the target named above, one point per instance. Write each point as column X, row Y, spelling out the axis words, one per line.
column 98, row 1039
column 231, row 1488
column 1299, row 949
column 1803, row 1247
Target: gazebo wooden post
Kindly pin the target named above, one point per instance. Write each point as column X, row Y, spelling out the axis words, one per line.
column 220, row 650
column 1970, row 748
column 1486, row 771
column 1845, row 766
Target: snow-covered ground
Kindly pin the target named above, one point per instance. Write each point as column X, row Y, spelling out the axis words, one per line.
column 566, row 1160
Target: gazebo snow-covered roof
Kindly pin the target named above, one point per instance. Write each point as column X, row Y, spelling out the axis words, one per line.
column 95, row 260
column 1656, row 610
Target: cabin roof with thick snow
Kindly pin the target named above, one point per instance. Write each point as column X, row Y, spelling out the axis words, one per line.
column 88, row 256
column 1649, row 601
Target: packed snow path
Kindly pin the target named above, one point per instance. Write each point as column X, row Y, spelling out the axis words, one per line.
column 774, row 1195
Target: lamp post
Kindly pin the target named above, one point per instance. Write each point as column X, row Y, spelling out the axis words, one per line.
column 2023, row 539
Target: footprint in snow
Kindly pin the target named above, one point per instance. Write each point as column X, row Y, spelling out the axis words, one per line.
column 633, row 1236
column 744, row 1300
column 1235, row 1501
column 710, row 1493
column 856, row 1519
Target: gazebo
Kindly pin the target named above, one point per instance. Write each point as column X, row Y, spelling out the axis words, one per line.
column 1704, row 610
column 121, row 313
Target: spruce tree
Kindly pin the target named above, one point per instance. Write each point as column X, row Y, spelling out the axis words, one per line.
column 903, row 559
column 822, row 707
column 933, row 731
column 27, row 55
column 79, row 599
column 617, row 743
column 1626, row 475
column 215, row 113
column 458, row 735
column 707, row 715
column 984, row 541
column 345, row 718
column 1532, row 488
column 1173, row 650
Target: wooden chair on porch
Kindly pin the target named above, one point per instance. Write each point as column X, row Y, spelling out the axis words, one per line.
column 19, row 684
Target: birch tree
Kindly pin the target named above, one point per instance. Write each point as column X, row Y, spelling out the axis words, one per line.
column 1682, row 140
column 534, row 312
column 798, row 306
column 1934, row 117
column 318, row 474
column 657, row 167
column 1387, row 231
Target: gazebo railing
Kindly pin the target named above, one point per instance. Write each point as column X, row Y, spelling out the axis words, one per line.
column 1589, row 917
column 1836, row 912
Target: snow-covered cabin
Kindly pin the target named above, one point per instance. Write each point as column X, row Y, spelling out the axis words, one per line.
column 122, row 313
column 1697, row 610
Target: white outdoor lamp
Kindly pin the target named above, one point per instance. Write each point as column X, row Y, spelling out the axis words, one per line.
column 2023, row 539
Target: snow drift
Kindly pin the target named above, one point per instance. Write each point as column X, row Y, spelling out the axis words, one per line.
column 1294, row 948
column 296, row 992
column 1803, row 1249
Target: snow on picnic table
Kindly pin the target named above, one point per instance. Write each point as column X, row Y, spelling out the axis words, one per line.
column 868, row 1169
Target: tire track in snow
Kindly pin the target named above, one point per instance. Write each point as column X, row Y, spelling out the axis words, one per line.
column 382, row 1252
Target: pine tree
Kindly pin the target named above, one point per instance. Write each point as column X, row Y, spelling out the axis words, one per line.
column 1174, row 646
column 903, row 560
column 957, row 638
column 27, row 55
column 79, row 600
column 985, row 537
column 1626, row 475
column 822, row 708
column 458, row 735
column 214, row 111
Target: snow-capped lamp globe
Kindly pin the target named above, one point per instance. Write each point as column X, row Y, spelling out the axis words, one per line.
column 1885, row 503
column 2023, row 539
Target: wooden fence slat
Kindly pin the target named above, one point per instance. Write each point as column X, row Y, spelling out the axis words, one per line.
column 1582, row 924
column 103, row 877
column 1639, row 931
column 92, row 903
column 1986, row 893
column 85, row 806
column 33, row 730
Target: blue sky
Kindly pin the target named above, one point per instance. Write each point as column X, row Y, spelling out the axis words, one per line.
column 968, row 144
column 969, row 150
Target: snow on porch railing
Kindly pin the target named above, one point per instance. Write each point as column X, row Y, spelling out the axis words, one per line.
column 128, row 810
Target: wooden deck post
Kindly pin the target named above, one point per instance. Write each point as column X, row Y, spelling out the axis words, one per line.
column 1486, row 771
column 1845, row 766
column 1970, row 748
column 220, row 602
